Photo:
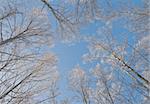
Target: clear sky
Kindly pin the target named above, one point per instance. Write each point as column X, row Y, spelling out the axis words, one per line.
column 70, row 54
column 100, row 34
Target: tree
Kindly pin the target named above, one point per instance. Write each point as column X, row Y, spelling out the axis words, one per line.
column 79, row 84
column 29, row 75
column 25, row 71
column 125, row 59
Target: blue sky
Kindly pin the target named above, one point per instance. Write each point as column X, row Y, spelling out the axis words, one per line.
column 102, row 30
column 69, row 55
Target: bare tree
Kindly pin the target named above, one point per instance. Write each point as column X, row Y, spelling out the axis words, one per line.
column 29, row 75
column 127, row 59
column 25, row 71
column 78, row 83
